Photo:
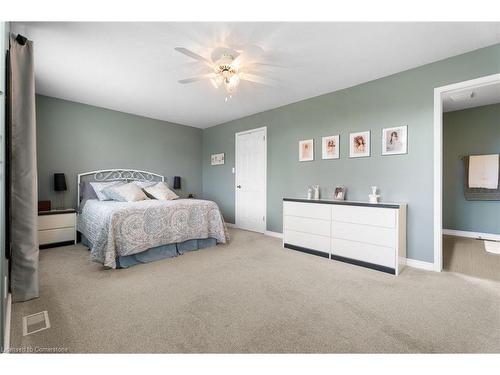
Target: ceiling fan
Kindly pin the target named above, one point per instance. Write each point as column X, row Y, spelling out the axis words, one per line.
column 228, row 67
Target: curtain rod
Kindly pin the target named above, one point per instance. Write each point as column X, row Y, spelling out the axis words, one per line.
column 21, row 39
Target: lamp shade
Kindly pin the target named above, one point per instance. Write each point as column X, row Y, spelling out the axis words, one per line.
column 177, row 182
column 60, row 182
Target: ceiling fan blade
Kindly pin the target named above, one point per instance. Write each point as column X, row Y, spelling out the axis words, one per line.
column 218, row 52
column 251, row 51
column 266, row 64
column 193, row 55
column 262, row 68
column 256, row 79
column 254, row 56
column 238, row 61
column 243, row 59
column 198, row 78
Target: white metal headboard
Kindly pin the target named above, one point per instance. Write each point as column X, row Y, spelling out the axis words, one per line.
column 116, row 175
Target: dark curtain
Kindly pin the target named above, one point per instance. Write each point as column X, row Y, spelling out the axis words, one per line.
column 23, row 171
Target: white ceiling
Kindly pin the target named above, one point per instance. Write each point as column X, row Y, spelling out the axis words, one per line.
column 132, row 67
column 477, row 97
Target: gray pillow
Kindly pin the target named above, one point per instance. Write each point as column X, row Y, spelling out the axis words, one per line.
column 100, row 186
column 87, row 192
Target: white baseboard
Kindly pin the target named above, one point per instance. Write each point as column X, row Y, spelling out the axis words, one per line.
column 476, row 235
column 267, row 232
column 409, row 262
column 273, row 234
column 6, row 338
column 420, row 264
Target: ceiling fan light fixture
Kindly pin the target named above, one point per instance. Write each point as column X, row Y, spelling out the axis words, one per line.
column 231, row 89
column 235, row 79
column 226, row 74
column 232, row 84
column 229, row 68
column 214, row 83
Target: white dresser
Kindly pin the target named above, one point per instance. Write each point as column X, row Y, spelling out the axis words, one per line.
column 56, row 228
column 365, row 234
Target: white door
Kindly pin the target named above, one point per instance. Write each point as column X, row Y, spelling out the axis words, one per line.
column 250, row 181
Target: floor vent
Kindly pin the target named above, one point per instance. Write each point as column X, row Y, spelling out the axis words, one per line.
column 35, row 323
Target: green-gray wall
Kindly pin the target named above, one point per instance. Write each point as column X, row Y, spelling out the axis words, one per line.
column 402, row 99
column 73, row 138
column 469, row 132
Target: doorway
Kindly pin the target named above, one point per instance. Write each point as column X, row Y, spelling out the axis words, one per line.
column 459, row 90
column 251, row 179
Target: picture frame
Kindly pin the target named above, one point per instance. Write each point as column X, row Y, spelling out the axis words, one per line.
column 339, row 193
column 217, row 159
column 306, row 150
column 330, row 146
column 359, row 144
column 395, row 140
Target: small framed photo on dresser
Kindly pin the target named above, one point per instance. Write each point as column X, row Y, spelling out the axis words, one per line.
column 395, row 140
column 339, row 193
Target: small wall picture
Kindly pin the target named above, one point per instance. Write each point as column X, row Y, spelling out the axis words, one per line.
column 306, row 150
column 395, row 140
column 217, row 159
column 359, row 144
column 339, row 193
column 330, row 147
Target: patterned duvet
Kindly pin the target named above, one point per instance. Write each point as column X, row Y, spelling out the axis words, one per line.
column 122, row 228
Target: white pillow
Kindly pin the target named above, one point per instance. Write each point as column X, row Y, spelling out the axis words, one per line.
column 161, row 191
column 100, row 186
column 125, row 193
column 144, row 184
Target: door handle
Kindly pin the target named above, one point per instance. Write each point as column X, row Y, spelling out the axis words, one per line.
column 238, row 186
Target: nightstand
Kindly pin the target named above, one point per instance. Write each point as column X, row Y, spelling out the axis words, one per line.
column 56, row 228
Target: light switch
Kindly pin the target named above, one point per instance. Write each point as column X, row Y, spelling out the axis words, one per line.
column 233, row 170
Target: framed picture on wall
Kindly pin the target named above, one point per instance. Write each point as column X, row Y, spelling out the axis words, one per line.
column 395, row 140
column 359, row 144
column 330, row 147
column 306, row 150
column 217, row 159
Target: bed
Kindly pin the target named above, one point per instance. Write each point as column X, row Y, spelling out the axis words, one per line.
column 123, row 234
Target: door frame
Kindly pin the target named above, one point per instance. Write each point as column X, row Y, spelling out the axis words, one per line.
column 438, row 156
column 264, row 128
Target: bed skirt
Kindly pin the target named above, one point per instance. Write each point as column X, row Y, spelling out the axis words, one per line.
column 159, row 252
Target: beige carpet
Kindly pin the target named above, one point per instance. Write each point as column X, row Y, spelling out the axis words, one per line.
column 255, row 296
column 468, row 256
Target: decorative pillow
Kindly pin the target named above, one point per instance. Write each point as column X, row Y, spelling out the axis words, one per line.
column 125, row 193
column 100, row 186
column 144, row 184
column 161, row 191
column 112, row 195
column 87, row 192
